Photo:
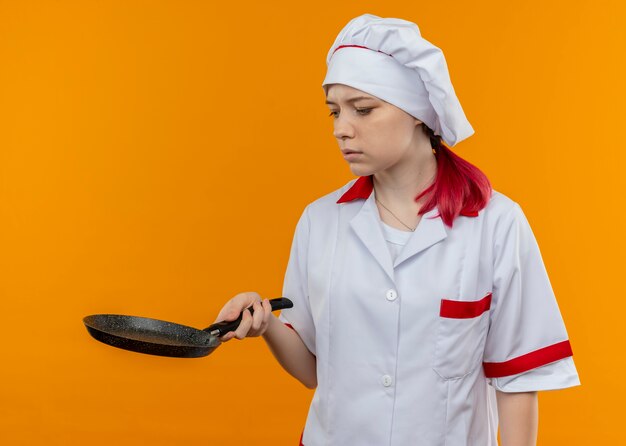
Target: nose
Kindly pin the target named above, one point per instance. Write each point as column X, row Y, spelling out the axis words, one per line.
column 343, row 128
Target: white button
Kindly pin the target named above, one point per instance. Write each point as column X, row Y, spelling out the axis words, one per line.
column 391, row 294
column 387, row 380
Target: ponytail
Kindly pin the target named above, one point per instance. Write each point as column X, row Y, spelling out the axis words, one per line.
column 460, row 188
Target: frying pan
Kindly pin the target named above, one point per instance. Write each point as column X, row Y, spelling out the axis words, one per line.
column 162, row 338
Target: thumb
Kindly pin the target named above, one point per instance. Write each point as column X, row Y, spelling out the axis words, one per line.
column 227, row 314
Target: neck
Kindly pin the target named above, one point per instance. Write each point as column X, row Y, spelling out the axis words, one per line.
column 403, row 182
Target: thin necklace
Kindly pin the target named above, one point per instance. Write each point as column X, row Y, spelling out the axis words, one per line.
column 394, row 215
column 405, row 225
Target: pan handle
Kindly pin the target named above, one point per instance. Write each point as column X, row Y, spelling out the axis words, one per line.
column 223, row 327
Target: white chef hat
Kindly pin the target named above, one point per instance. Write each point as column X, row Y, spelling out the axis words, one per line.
column 388, row 58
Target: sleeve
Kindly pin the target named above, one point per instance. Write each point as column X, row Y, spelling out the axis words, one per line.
column 295, row 286
column 526, row 330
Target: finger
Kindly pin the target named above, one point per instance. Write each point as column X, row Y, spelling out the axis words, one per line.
column 246, row 321
column 225, row 314
column 267, row 306
column 241, row 301
column 229, row 312
column 257, row 317
column 234, row 307
column 266, row 310
column 227, row 337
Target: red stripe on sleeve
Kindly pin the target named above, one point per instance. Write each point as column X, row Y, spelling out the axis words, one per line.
column 528, row 361
column 464, row 309
column 290, row 326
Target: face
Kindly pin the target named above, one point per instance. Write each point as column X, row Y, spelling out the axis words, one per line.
column 373, row 135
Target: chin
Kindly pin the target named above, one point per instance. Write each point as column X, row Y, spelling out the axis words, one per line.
column 360, row 170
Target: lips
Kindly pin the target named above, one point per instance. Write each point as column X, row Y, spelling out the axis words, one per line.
column 351, row 155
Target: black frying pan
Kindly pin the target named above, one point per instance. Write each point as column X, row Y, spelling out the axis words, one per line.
column 155, row 337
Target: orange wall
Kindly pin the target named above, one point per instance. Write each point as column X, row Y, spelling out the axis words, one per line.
column 155, row 157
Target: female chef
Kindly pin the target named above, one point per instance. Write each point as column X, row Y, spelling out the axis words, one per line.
column 423, row 313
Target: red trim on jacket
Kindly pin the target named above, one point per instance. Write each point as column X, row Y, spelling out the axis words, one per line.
column 464, row 310
column 301, row 435
column 363, row 187
column 528, row 361
column 358, row 46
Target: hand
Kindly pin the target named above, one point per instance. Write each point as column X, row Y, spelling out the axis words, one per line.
column 252, row 325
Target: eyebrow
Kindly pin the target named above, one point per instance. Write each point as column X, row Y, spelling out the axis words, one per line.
column 351, row 99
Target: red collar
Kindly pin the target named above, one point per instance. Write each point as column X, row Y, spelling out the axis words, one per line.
column 362, row 188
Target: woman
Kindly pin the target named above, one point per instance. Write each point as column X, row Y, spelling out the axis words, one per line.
column 423, row 313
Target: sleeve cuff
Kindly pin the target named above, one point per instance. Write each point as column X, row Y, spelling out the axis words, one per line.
column 557, row 375
column 528, row 361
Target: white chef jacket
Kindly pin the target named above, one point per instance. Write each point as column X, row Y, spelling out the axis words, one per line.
column 555, row 375
column 406, row 348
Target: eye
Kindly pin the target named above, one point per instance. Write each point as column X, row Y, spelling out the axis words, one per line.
column 360, row 111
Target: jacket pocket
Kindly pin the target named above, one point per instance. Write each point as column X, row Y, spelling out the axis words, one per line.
column 461, row 334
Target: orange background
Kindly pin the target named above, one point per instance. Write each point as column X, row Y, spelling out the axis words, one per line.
column 156, row 155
